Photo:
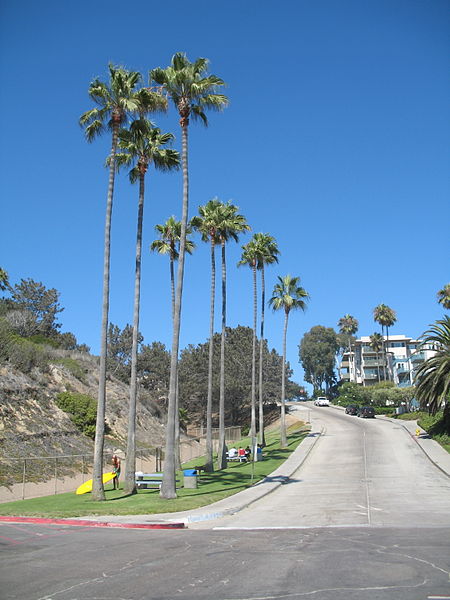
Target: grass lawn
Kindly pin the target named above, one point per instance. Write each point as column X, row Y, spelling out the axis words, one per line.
column 211, row 487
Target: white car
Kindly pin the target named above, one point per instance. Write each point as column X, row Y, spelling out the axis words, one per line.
column 322, row 401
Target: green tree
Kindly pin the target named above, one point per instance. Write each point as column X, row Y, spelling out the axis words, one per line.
column 432, row 379
column 386, row 317
column 376, row 343
column 4, row 280
column 191, row 91
column 317, row 354
column 41, row 304
column 230, row 226
column 115, row 101
column 443, row 296
column 206, row 223
column 287, row 295
column 141, row 145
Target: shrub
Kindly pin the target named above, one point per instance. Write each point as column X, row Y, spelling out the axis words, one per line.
column 82, row 410
column 72, row 366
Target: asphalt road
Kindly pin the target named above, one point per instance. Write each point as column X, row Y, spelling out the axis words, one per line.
column 367, row 516
column 361, row 472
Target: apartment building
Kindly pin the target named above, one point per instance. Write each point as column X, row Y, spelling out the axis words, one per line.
column 399, row 362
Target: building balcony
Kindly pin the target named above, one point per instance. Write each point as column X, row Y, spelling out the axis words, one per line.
column 370, row 376
column 418, row 357
column 345, row 364
column 345, row 376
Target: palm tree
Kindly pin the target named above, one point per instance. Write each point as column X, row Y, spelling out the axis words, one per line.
column 376, row 343
column 268, row 255
column 230, row 225
column 168, row 243
column 206, row 224
column 432, row 379
column 386, row 317
column 191, row 91
column 261, row 250
column 443, row 296
column 141, row 146
column 287, row 295
column 348, row 326
column 249, row 257
column 116, row 101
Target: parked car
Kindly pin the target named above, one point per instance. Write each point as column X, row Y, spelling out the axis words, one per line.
column 322, row 401
column 351, row 410
column 367, row 412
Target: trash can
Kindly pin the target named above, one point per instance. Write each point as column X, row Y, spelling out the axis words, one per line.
column 259, row 454
column 190, row 479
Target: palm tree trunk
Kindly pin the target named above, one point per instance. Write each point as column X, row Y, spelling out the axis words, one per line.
column 283, row 439
column 177, row 407
column 262, row 440
column 221, row 453
column 168, row 488
column 98, row 492
column 130, row 469
column 253, row 394
column 209, row 464
column 387, row 354
column 378, row 367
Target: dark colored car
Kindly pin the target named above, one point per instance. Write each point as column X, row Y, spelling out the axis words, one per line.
column 367, row 412
column 351, row 410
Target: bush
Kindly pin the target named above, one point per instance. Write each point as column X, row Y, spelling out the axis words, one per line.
column 82, row 410
column 72, row 366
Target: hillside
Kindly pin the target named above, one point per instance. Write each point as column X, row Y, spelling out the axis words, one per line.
column 31, row 424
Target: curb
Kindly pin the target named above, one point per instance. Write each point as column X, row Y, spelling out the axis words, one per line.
column 86, row 523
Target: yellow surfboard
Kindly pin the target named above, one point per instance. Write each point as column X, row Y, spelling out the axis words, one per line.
column 87, row 485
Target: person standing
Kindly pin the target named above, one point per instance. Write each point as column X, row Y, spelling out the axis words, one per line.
column 116, row 471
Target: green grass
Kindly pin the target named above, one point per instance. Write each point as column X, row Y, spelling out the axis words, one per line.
column 211, row 487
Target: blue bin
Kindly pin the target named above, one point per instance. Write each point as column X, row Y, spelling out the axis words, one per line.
column 190, row 478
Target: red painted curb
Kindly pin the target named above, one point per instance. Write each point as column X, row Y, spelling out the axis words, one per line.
column 85, row 523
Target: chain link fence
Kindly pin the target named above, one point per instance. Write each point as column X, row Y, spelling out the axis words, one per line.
column 37, row 476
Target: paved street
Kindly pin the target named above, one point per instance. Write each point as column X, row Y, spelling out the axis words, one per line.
column 361, row 472
column 366, row 516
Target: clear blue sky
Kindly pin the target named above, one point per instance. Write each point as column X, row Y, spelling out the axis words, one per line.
column 335, row 142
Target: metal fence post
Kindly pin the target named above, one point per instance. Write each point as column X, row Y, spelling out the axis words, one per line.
column 24, row 477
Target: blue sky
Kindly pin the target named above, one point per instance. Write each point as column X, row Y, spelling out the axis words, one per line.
column 335, row 142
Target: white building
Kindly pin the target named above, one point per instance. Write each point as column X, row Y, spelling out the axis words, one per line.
column 398, row 362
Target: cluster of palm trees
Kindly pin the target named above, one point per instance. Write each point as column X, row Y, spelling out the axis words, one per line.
column 122, row 107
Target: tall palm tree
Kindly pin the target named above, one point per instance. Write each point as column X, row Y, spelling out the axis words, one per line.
column 268, row 254
column 432, row 379
column 443, row 296
column 141, row 145
column 376, row 343
column 168, row 243
column 230, row 226
column 261, row 250
column 348, row 326
column 386, row 317
column 287, row 295
column 115, row 101
column 207, row 223
column 249, row 257
column 191, row 91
